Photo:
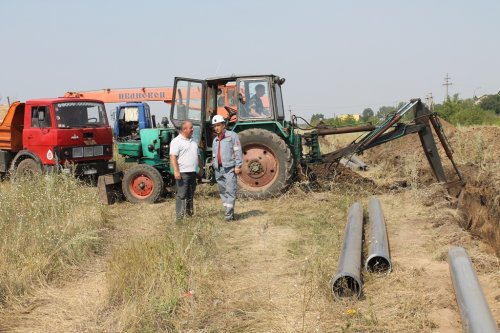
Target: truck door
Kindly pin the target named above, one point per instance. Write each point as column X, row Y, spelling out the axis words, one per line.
column 188, row 104
column 38, row 136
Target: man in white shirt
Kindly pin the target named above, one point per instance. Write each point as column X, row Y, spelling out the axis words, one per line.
column 184, row 159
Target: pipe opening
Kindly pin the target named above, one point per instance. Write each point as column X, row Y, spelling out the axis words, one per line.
column 378, row 265
column 346, row 286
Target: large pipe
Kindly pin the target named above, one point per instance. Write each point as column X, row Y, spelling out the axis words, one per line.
column 347, row 280
column 350, row 164
column 476, row 315
column 359, row 162
column 379, row 259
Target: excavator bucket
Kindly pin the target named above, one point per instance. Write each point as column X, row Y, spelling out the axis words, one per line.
column 110, row 188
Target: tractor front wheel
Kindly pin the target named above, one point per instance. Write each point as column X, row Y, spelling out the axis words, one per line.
column 142, row 183
column 267, row 164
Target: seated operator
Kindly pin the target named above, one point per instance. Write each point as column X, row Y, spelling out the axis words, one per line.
column 256, row 107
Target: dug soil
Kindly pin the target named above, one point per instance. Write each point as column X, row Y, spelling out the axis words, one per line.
column 477, row 155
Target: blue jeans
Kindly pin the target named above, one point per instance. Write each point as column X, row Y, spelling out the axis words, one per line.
column 227, row 181
column 185, row 193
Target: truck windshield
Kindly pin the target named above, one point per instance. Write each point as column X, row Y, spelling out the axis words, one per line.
column 129, row 113
column 80, row 114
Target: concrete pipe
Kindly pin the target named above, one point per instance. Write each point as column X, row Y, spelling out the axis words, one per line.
column 358, row 161
column 349, row 164
column 379, row 259
column 474, row 310
column 347, row 280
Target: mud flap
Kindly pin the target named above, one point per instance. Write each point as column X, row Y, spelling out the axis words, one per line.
column 110, row 188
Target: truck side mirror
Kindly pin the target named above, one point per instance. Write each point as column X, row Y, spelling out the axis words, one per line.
column 113, row 115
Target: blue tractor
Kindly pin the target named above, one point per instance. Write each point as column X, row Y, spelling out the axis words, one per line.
column 130, row 118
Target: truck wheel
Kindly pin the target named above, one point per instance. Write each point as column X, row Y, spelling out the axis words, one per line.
column 142, row 183
column 27, row 168
column 267, row 164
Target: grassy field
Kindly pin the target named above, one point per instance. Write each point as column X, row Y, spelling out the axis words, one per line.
column 139, row 271
column 47, row 224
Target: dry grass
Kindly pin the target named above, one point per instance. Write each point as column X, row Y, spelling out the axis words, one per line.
column 271, row 271
column 3, row 112
column 150, row 280
column 47, row 224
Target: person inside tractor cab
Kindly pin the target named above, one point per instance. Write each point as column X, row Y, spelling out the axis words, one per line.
column 256, row 107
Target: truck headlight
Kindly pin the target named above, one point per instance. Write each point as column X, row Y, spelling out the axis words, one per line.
column 98, row 150
column 88, row 151
column 77, row 152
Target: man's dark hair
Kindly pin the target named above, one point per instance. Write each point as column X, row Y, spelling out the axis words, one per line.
column 260, row 86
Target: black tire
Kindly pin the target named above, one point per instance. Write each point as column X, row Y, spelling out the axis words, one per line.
column 28, row 168
column 142, row 183
column 267, row 164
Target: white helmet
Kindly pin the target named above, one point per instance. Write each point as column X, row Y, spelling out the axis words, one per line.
column 217, row 119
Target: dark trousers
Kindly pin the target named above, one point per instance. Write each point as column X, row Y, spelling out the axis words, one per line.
column 185, row 193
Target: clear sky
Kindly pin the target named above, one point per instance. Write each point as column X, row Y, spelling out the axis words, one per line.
column 337, row 56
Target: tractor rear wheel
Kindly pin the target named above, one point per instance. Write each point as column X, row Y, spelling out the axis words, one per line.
column 267, row 164
column 142, row 183
column 28, row 168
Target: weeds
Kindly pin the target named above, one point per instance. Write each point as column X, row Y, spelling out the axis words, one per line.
column 152, row 280
column 47, row 223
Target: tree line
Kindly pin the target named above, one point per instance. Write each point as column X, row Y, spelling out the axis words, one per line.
column 455, row 110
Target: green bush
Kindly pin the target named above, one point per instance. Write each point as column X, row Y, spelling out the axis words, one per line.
column 465, row 112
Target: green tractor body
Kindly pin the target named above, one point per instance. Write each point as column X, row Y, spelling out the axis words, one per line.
column 271, row 147
column 273, row 151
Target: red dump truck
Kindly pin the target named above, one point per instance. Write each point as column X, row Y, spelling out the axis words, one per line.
column 56, row 135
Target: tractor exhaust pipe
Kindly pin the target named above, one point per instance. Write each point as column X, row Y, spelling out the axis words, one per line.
column 379, row 260
column 474, row 310
column 347, row 280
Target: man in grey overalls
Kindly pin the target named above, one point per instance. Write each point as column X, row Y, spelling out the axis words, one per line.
column 227, row 160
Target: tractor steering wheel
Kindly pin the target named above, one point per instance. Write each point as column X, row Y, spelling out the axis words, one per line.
column 231, row 111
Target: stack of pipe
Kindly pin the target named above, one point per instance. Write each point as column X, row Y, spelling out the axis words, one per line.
column 347, row 280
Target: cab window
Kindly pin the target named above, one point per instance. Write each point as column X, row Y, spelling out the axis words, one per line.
column 254, row 101
column 40, row 117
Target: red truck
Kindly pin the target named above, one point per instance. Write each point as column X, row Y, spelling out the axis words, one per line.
column 56, row 134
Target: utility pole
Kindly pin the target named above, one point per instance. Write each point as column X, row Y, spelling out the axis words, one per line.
column 430, row 101
column 446, row 84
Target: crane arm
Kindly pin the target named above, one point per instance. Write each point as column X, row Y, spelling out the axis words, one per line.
column 126, row 94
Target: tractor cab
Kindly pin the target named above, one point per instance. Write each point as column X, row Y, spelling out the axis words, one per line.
column 253, row 107
column 239, row 99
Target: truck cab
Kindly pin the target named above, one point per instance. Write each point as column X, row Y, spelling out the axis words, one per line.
column 57, row 134
column 130, row 118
